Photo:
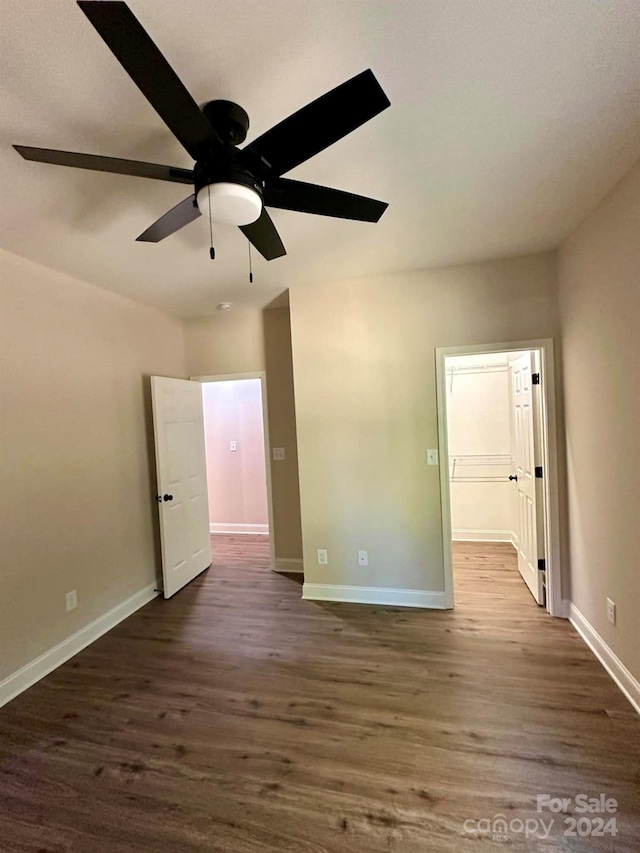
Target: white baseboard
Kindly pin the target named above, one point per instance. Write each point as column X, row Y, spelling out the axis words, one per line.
column 25, row 677
column 374, row 595
column 289, row 564
column 223, row 527
column 464, row 535
column 629, row 685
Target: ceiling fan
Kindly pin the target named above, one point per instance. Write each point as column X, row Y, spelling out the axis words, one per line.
column 230, row 185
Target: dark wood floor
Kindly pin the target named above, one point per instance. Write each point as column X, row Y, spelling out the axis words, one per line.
column 238, row 718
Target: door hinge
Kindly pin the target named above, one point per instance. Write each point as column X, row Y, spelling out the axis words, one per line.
column 542, row 565
column 535, row 378
column 538, row 470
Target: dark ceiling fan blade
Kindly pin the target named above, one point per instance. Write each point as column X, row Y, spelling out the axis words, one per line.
column 325, row 201
column 318, row 125
column 152, row 74
column 263, row 235
column 175, row 219
column 106, row 164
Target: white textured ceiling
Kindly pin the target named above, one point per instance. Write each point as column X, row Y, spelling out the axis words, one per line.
column 510, row 119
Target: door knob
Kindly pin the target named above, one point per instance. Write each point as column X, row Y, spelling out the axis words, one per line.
column 168, row 497
column 511, row 477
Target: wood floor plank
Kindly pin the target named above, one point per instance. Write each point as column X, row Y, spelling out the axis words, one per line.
column 237, row 717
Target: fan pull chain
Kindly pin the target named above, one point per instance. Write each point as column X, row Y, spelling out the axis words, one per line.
column 250, row 267
column 212, row 251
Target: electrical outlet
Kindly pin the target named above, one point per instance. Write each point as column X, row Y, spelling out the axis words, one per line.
column 611, row 611
column 277, row 454
column 323, row 558
column 363, row 558
column 72, row 600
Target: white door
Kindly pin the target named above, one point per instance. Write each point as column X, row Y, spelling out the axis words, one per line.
column 182, row 480
column 524, row 480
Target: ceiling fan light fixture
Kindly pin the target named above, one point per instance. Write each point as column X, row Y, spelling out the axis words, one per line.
column 231, row 204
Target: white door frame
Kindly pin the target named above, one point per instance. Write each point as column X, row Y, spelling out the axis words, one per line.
column 545, row 347
column 262, row 376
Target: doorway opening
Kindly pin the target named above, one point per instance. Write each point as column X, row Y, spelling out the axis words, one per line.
column 496, row 424
column 237, row 463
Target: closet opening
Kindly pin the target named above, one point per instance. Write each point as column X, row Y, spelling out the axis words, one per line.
column 498, row 470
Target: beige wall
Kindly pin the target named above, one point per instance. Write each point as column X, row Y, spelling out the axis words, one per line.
column 364, row 367
column 77, row 452
column 243, row 341
column 236, row 479
column 228, row 342
column 282, row 433
column 600, row 316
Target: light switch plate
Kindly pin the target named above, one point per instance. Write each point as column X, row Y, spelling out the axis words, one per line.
column 432, row 457
column 363, row 558
column 71, row 600
column 277, row 454
column 233, row 446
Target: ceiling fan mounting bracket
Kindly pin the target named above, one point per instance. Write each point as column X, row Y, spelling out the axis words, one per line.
column 229, row 120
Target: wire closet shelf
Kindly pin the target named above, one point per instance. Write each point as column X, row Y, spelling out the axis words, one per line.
column 502, row 461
